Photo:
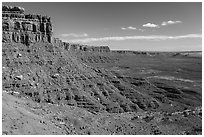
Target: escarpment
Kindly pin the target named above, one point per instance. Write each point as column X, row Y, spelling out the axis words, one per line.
column 41, row 67
column 25, row 28
column 49, row 74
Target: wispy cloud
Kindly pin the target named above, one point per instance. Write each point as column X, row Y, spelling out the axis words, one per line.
column 128, row 28
column 164, row 23
column 132, row 28
column 152, row 37
column 150, row 25
column 123, row 28
column 74, row 35
column 141, row 30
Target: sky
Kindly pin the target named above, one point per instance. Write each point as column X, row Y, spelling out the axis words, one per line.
column 148, row 26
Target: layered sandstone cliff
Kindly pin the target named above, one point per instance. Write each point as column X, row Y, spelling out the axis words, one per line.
column 24, row 28
column 30, row 28
column 81, row 47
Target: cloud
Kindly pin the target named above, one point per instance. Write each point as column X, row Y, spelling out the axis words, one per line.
column 132, row 28
column 129, row 28
column 141, row 30
column 152, row 37
column 74, row 35
column 123, row 28
column 150, row 25
column 164, row 23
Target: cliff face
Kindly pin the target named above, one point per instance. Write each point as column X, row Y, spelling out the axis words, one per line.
column 24, row 28
column 80, row 47
column 30, row 28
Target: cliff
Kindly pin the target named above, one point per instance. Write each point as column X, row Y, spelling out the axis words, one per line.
column 80, row 47
column 30, row 28
column 24, row 28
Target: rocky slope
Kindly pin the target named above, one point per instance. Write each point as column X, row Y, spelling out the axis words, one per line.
column 49, row 75
column 24, row 116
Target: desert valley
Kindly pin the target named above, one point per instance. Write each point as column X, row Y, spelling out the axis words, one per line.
column 52, row 87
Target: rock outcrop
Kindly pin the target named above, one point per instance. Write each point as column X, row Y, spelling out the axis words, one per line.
column 80, row 47
column 30, row 28
column 25, row 28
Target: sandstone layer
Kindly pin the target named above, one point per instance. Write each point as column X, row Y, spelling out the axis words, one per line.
column 25, row 28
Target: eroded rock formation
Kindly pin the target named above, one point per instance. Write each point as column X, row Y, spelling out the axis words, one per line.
column 30, row 28
column 24, row 28
column 80, row 47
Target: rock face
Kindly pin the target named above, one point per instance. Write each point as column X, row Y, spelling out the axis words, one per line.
column 31, row 28
column 24, row 28
column 57, row 42
column 80, row 47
